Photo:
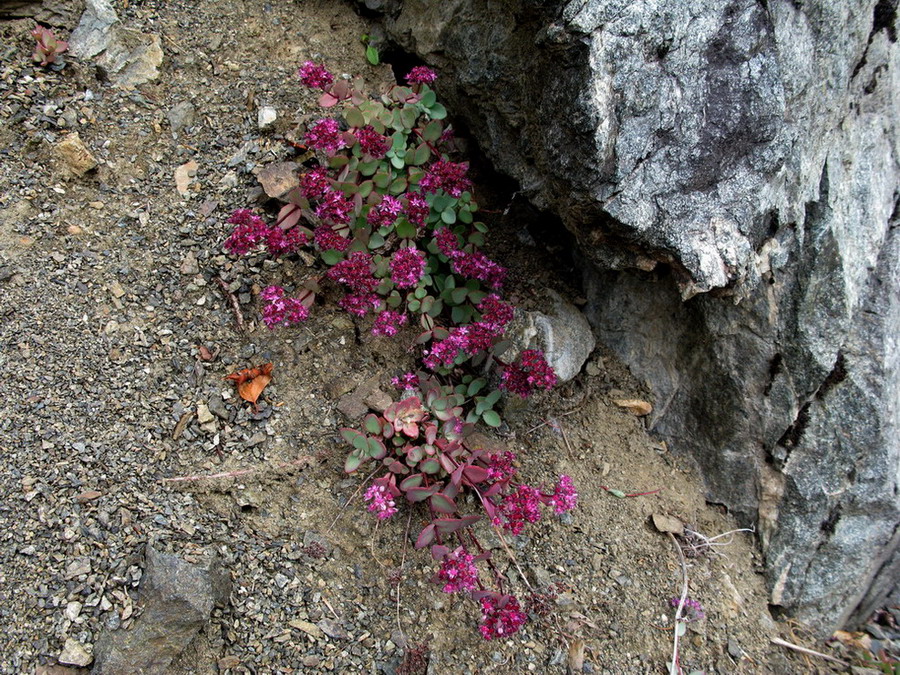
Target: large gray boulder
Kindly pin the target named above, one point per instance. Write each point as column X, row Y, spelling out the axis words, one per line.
column 729, row 171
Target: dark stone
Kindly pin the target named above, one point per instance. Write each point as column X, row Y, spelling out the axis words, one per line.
column 176, row 598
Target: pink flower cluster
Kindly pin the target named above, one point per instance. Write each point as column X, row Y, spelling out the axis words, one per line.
column 407, row 267
column 501, row 616
column 447, row 176
column 500, row 467
column 405, row 381
column 530, row 371
column 315, row 76
column 458, row 571
column 417, row 209
column 523, row 505
column 280, row 310
column 329, row 240
column 355, row 272
column 251, row 230
column 473, row 337
column 335, row 208
column 359, row 303
column 421, row 75
column 388, row 323
column 693, row 610
column 315, row 184
column 385, row 212
column 381, row 502
column 474, row 265
column 325, row 135
column 564, row 497
column 372, row 143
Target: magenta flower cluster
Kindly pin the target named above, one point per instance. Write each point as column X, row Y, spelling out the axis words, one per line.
column 372, row 143
column 325, row 135
column 500, row 467
column 693, row 610
column 407, row 267
column 405, row 381
column 473, row 337
column 315, row 76
column 334, row 208
column 388, row 323
column 280, row 310
column 421, row 75
column 501, row 616
column 530, row 371
column 458, row 571
column 252, row 231
column 523, row 504
column 417, row 209
column 385, row 212
column 381, row 501
column 564, row 497
column 315, row 184
column 447, row 176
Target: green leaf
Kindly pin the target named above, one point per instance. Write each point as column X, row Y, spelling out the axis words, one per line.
column 398, row 186
column 338, row 162
column 428, row 98
column 405, row 229
column 465, row 217
column 462, row 313
column 354, row 117
column 376, row 449
column 414, row 305
column 474, row 387
column 352, row 462
column 430, row 465
column 372, row 424
column 376, row 240
column 350, row 435
column 426, row 536
column 437, row 112
column 491, row 418
column 432, row 131
column 408, row 116
column 492, row 398
column 331, row 257
column 369, row 168
column 415, row 480
column 365, row 188
column 617, row 493
column 458, row 295
column 372, row 55
column 448, row 215
column 382, row 179
column 419, row 494
column 481, row 227
column 442, row 503
column 398, row 162
column 422, row 154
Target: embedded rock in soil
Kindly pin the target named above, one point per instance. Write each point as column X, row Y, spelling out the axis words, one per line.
column 177, row 599
column 743, row 147
column 128, row 56
column 562, row 333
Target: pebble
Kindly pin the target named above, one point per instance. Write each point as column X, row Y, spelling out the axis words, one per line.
column 266, row 116
column 75, row 654
column 204, row 415
column 189, row 265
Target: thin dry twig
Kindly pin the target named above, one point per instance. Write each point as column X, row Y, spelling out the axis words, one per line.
column 804, row 650
column 675, row 667
column 306, row 459
column 233, row 301
column 512, row 557
column 352, row 497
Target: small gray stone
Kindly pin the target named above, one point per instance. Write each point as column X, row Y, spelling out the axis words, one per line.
column 266, row 116
column 180, row 116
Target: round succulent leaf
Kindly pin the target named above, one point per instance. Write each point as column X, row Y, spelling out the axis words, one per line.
column 491, row 418
column 430, row 466
column 412, row 481
column 432, row 131
column 372, row 424
column 437, row 112
column 354, row 117
column 429, row 98
column 426, row 536
column 421, row 155
column 398, row 186
column 376, row 449
column 419, row 494
column 448, row 215
column 405, row 229
column 443, row 504
column 352, row 462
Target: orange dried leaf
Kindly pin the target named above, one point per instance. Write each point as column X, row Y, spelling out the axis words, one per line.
column 250, row 382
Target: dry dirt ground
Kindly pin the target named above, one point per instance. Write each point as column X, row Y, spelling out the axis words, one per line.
column 108, row 290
